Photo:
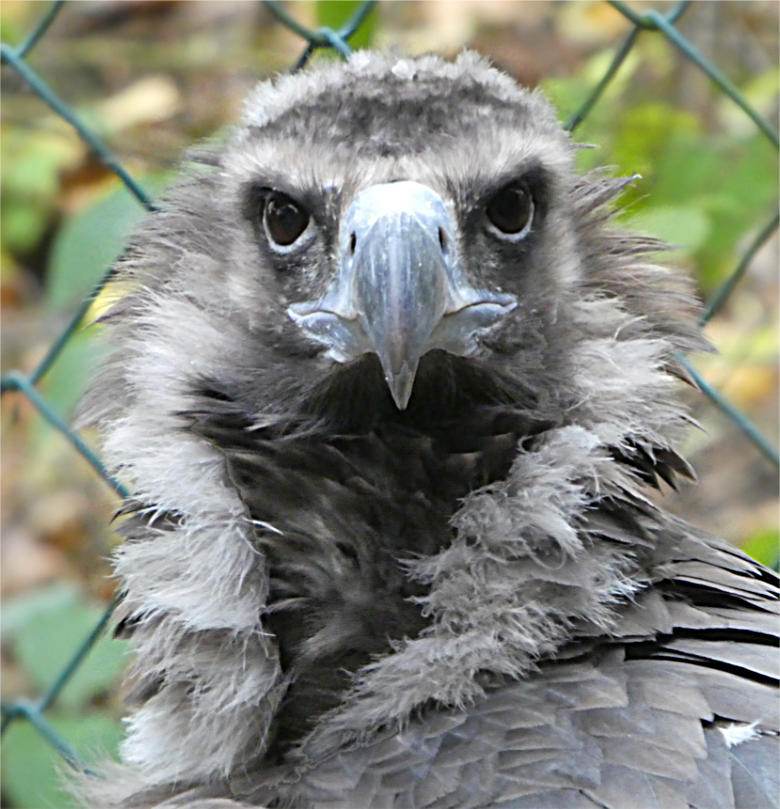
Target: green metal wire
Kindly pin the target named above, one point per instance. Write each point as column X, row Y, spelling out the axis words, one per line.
column 654, row 20
column 722, row 294
column 620, row 56
column 644, row 21
column 736, row 415
column 73, row 324
column 54, row 689
column 725, row 85
column 12, row 56
column 33, row 710
column 320, row 37
column 338, row 40
column 40, row 29
column 29, row 710
column 323, row 37
column 19, row 382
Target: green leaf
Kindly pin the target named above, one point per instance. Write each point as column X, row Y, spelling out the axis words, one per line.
column 760, row 91
column 23, row 225
column 33, row 770
column 17, row 611
column 744, row 202
column 334, row 13
column 685, row 229
column 31, row 161
column 764, row 546
column 65, row 383
column 48, row 638
column 643, row 137
column 10, row 31
column 45, row 627
column 88, row 244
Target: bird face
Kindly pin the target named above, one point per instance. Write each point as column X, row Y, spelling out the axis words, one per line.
column 400, row 290
column 430, row 218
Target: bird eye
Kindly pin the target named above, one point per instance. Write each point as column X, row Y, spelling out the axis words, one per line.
column 284, row 219
column 510, row 212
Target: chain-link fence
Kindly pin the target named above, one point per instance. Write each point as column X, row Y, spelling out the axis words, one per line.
column 650, row 23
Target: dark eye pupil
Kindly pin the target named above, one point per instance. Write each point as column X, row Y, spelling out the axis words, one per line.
column 510, row 209
column 285, row 220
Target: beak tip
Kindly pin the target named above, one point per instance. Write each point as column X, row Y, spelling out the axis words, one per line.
column 400, row 384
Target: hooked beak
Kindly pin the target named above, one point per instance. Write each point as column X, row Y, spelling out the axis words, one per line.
column 400, row 291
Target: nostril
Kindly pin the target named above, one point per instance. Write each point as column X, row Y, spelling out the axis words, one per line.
column 442, row 241
column 352, row 243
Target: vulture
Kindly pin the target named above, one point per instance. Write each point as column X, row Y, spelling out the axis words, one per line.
column 392, row 393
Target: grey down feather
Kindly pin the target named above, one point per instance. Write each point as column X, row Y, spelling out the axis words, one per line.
column 456, row 597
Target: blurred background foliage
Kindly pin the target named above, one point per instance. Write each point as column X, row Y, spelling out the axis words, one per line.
column 153, row 77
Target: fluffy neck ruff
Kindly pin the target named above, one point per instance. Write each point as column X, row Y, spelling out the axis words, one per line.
column 349, row 497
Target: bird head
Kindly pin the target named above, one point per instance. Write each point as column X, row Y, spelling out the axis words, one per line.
column 404, row 215
column 389, row 238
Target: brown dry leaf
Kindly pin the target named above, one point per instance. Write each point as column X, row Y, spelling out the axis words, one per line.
column 28, row 562
column 149, row 100
column 592, row 23
column 751, row 384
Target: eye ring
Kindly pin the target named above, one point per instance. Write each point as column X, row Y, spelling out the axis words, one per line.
column 509, row 213
column 285, row 221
